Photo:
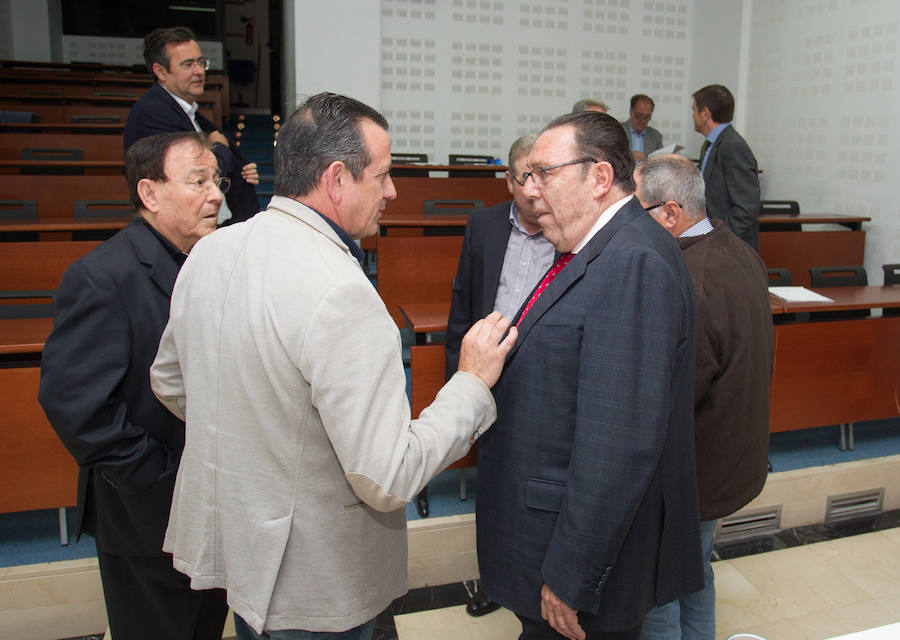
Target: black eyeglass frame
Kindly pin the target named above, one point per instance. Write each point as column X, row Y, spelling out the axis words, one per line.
column 544, row 170
column 650, row 208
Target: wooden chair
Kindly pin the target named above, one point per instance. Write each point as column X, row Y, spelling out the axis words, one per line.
column 426, row 365
column 417, row 269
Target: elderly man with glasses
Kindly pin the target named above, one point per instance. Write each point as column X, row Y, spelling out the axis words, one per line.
column 587, row 496
column 174, row 58
column 644, row 138
column 111, row 308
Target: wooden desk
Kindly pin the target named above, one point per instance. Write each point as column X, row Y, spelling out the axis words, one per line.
column 431, row 222
column 776, row 222
column 36, row 471
column 425, row 318
column 24, row 335
column 837, row 372
column 90, row 167
column 783, row 244
column 10, row 225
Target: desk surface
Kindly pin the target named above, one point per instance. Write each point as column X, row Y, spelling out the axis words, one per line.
column 458, row 220
column 24, row 335
column 499, row 168
column 810, row 218
column 63, row 224
column 871, row 297
column 70, row 164
column 425, row 317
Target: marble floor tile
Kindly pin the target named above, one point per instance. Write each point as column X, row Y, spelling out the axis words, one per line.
column 453, row 623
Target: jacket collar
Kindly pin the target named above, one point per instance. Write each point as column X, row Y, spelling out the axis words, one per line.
column 575, row 270
column 152, row 254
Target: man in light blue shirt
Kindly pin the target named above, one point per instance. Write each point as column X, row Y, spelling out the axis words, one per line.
column 644, row 139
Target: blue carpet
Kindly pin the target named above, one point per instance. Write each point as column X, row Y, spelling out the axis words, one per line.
column 32, row 537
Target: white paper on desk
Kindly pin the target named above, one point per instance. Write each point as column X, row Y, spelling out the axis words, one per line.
column 798, row 294
column 666, row 150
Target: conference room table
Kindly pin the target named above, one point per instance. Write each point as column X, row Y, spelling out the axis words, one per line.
column 89, row 167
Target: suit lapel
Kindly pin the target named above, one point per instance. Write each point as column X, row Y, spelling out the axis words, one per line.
column 574, row 271
column 169, row 100
column 495, row 243
column 150, row 252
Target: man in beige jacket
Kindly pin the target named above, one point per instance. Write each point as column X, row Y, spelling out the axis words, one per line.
column 300, row 452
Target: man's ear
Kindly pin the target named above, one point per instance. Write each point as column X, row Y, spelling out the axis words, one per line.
column 509, row 182
column 603, row 178
column 148, row 192
column 334, row 179
column 669, row 214
column 159, row 71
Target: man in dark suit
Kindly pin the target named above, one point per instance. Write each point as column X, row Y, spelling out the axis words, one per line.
column 587, row 497
column 504, row 255
column 644, row 138
column 727, row 163
column 175, row 60
column 111, row 308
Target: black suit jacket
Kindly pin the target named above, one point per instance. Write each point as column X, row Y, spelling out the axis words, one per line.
column 157, row 112
column 477, row 275
column 111, row 308
column 732, row 186
column 587, row 481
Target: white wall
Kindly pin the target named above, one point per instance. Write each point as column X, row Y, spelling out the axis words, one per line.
column 337, row 48
column 823, row 104
column 30, row 30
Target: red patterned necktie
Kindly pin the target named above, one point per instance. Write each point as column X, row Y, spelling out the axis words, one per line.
column 561, row 262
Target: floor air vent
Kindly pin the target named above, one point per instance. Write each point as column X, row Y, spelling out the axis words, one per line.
column 746, row 524
column 854, row 505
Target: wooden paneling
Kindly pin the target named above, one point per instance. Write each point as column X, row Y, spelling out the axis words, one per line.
column 800, row 250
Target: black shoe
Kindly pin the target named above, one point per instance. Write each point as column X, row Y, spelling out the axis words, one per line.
column 477, row 603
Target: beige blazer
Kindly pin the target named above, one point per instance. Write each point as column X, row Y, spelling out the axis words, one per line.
column 300, row 453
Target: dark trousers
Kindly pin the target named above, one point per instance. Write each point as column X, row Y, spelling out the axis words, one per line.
column 540, row 630
column 147, row 599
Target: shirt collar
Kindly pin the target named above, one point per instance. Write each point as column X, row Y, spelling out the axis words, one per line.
column 345, row 238
column 177, row 254
column 189, row 108
column 633, row 132
column 717, row 131
column 514, row 220
column 699, row 228
column 605, row 217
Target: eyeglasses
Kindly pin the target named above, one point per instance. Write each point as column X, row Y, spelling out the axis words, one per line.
column 189, row 64
column 539, row 175
column 643, row 117
column 521, row 182
column 649, row 209
column 204, row 184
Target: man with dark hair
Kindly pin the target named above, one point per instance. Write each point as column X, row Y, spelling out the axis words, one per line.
column 644, row 138
column 174, row 58
column 589, row 104
column 734, row 367
column 111, row 308
column 587, row 496
column 727, row 164
column 300, row 453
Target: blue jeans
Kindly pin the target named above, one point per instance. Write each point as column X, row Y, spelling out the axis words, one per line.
column 691, row 617
column 362, row 632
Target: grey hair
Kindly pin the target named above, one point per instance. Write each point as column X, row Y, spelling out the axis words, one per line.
column 322, row 130
column 521, row 148
column 675, row 178
column 586, row 103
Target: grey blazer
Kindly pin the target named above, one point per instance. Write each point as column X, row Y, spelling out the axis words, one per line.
column 732, row 185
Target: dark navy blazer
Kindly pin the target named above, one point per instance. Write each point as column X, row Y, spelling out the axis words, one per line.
column 587, row 480
column 111, row 308
column 477, row 275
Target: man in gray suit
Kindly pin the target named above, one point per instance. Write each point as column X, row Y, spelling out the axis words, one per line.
column 727, row 163
column 644, row 139
column 299, row 449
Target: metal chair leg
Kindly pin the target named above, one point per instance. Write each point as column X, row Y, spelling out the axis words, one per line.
column 63, row 527
column 462, row 485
